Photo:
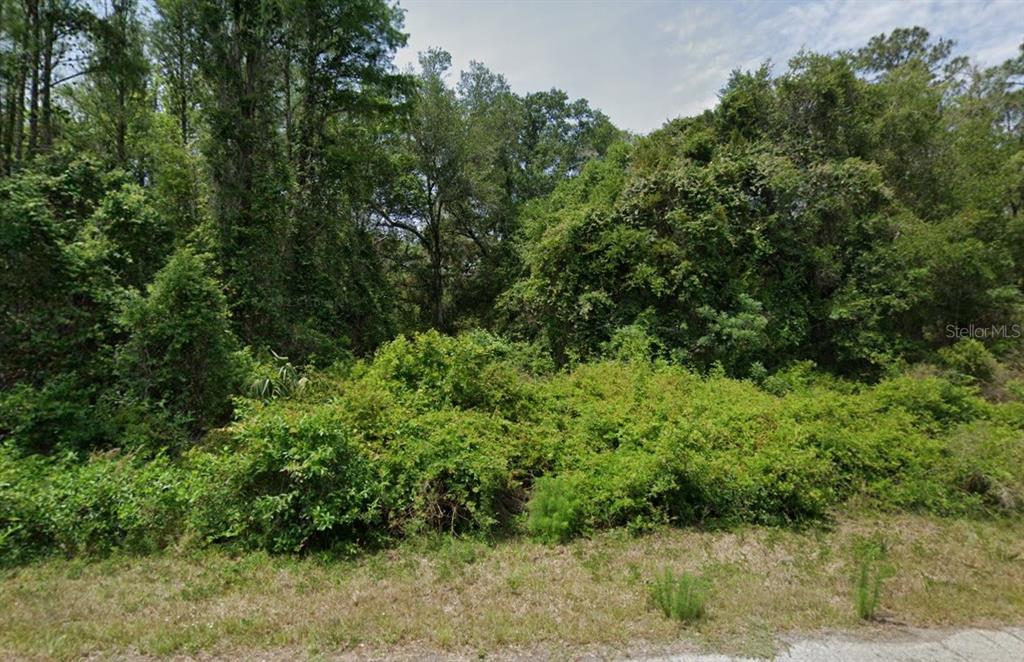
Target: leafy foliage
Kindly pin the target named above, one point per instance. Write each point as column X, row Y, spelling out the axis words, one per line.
column 181, row 353
column 286, row 483
column 813, row 215
column 552, row 510
column 745, row 316
column 464, row 434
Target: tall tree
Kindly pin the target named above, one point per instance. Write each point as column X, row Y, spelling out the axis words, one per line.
column 239, row 58
column 433, row 187
column 175, row 44
column 340, row 84
column 41, row 46
column 113, row 96
column 470, row 156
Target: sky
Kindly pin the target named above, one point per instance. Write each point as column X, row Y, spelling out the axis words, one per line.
column 644, row 62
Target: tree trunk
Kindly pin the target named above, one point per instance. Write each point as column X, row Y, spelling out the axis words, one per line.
column 33, row 111
column 47, row 119
column 183, row 95
column 121, row 127
column 437, row 273
column 17, row 117
column 5, row 105
column 288, row 105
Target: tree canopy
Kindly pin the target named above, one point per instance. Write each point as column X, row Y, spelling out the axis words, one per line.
column 215, row 187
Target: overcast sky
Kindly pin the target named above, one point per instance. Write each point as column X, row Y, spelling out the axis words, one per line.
column 645, row 61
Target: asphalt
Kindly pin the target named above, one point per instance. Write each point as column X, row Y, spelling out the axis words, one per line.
column 1002, row 645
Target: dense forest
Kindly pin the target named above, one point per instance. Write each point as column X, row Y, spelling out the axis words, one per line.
column 260, row 286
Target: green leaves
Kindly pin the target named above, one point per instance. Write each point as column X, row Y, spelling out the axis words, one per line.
column 181, row 352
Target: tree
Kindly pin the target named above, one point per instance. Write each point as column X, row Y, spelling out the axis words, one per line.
column 139, row 239
column 292, row 88
column 239, row 58
column 42, row 46
column 175, row 42
column 181, row 353
column 557, row 138
column 340, row 86
column 433, row 188
column 905, row 46
column 113, row 96
column 57, row 313
column 468, row 159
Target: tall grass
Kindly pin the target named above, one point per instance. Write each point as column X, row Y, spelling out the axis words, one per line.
column 681, row 598
column 872, row 571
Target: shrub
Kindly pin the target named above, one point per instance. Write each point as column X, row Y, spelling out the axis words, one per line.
column 632, row 342
column 935, row 403
column 181, row 353
column 876, row 452
column 625, row 487
column 140, row 239
column 552, row 511
column 969, row 357
column 116, row 501
column 287, row 481
column 475, row 370
column 25, row 530
column 60, row 414
column 800, row 376
column 277, row 378
column 60, row 297
column 680, row 597
column 449, row 470
column 985, row 465
column 63, row 416
column 110, row 501
column 445, row 434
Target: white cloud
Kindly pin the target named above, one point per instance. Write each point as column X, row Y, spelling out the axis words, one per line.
column 646, row 62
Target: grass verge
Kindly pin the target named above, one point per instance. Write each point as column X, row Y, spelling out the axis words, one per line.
column 466, row 598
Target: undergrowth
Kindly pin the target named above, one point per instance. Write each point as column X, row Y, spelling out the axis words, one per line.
column 474, row 434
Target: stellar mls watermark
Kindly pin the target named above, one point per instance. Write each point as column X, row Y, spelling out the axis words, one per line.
column 986, row 331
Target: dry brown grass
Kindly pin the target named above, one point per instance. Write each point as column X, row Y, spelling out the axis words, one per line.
column 464, row 598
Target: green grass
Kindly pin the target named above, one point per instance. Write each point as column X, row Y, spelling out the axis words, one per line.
column 679, row 597
column 872, row 571
column 437, row 595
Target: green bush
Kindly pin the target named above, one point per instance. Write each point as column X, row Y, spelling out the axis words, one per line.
column 60, row 296
column 276, row 378
column 552, row 510
column 474, row 370
column 116, row 501
column 25, row 525
column 110, row 501
column 679, row 597
column 449, row 470
column 626, row 487
column 140, row 239
column 181, row 354
column 969, row 357
column 632, row 342
column 285, row 481
column 985, row 464
column 59, row 415
column 935, row 403
column 447, row 434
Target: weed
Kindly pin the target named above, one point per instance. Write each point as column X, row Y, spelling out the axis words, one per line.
column 681, row 598
column 872, row 570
